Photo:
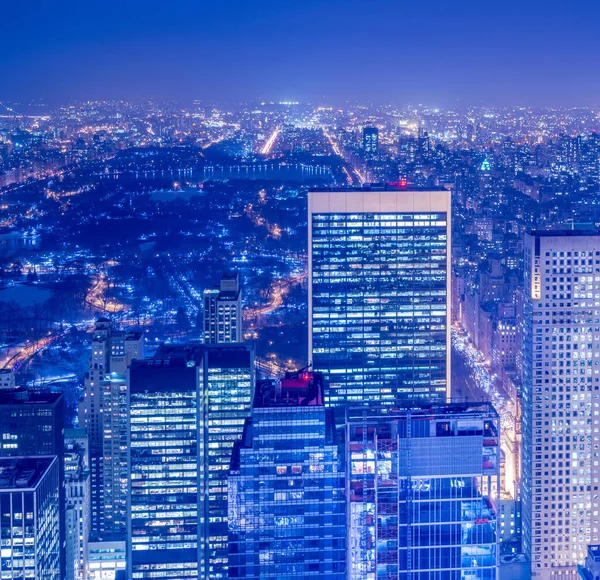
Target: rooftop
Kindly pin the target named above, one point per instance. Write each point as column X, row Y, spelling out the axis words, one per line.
column 173, row 365
column 22, row 396
column 299, row 389
column 23, row 472
column 424, row 411
column 378, row 187
column 594, row 552
column 564, row 233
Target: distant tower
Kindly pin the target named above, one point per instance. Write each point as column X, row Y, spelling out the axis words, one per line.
column 103, row 415
column 370, row 141
column 77, row 498
column 424, row 145
column 223, row 311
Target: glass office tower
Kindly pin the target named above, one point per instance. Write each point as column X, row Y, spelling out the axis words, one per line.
column 421, row 487
column 228, row 388
column 187, row 409
column 286, row 488
column 379, row 288
column 29, row 518
column 165, row 536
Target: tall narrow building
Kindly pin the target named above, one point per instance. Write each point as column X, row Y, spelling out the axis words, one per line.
column 370, row 137
column 32, row 424
column 561, row 418
column 379, row 294
column 421, row 486
column 102, row 414
column 77, row 503
column 187, row 407
column 223, row 311
column 287, row 508
column 30, row 518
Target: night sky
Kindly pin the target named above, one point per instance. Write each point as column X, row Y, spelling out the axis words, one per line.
column 438, row 52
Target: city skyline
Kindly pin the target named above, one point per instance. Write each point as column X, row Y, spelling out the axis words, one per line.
column 169, row 273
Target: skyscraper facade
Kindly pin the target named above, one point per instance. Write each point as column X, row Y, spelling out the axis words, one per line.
column 223, row 311
column 379, row 291
column 32, row 424
column 164, row 535
column 370, row 137
column 560, row 421
column 102, row 414
column 421, row 486
column 29, row 518
column 77, row 503
column 287, row 511
column 187, row 408
column 227, row 394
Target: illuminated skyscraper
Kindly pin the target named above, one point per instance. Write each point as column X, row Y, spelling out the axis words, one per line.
column 223, row 311
column 32, row 424
column 77, row 503
column 165, row 497
column 421, row 486
column 561, row 384
column 287, row 511
column 370, row 137
column 379, row 294
column 102, row 414
column 29, row 518
column 187, row 407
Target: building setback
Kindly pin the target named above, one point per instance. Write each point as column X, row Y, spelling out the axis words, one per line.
column 287, row 514
column 32, row 424
column 223, row 311
column 77, row 503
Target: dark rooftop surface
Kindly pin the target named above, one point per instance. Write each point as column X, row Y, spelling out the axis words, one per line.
column 173, row 365
column 301, row 389
column 22, row 396
column 23, row 472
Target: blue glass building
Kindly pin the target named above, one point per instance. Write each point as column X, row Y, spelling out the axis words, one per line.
column 379, row 287
column 286, row 488
column 187, row 407
column 30, row 518
column 422, row 487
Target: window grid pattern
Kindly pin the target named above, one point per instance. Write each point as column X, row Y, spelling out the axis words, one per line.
column 379, row 306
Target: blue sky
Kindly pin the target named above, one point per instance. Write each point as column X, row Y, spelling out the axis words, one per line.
column 437, row 52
